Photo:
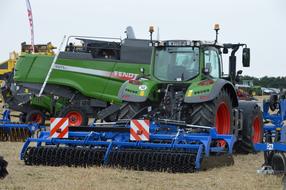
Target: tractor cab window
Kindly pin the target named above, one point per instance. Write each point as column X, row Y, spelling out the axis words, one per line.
column 176, row 63
column 211, row 62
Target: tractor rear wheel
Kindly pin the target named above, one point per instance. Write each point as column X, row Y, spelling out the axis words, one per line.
column 216, row 113
column 77, row 116
column 35, row 116
column 130, row 111
column 252, row 129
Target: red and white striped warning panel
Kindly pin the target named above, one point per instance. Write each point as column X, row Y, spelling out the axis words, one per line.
column 139, row 130
column 59, row 127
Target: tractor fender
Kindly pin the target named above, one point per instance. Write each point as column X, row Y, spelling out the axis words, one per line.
column 198, row 93
column 129, row 92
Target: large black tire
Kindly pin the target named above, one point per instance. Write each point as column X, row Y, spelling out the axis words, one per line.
column 77, row 116
column 3, row 168
column 252, row 129
column 129, row 111
column 35, row 116
column 216, row 113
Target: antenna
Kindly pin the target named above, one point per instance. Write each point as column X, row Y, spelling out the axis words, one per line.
column 158, row 34
column 216, row 28
column 151, row 30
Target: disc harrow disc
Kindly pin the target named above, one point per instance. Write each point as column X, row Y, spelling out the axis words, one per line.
column 136, row 159
column 153, row 160
column 64, row 156
column 14, row 134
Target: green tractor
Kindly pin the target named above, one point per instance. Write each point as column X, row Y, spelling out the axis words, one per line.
column 186, row 85
column 85, row 78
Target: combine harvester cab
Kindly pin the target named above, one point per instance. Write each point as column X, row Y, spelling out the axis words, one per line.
column 274, row 145
column 11, row 131
column 138, row 145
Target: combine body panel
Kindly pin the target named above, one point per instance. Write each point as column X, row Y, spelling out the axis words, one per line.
column 100, row 79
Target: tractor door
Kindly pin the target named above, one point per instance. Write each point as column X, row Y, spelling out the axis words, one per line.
column 212, row 62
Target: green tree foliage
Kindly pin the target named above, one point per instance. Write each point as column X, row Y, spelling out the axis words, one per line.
column 268, row 82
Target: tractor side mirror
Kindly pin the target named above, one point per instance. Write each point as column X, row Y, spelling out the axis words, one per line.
column 246, row 57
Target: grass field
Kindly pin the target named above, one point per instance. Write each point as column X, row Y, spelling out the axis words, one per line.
column 242, row 175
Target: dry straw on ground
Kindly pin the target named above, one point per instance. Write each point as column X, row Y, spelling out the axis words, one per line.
column 240, row 176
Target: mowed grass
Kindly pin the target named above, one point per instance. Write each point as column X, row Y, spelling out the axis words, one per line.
column 242, row 175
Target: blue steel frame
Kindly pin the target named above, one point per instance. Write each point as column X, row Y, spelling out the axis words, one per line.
column 199, row 143
column 277, row 128
column 7, row 125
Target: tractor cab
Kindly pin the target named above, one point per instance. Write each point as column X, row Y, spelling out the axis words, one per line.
column 184, row 61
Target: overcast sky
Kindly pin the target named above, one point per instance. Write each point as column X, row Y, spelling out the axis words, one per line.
column 259, row 23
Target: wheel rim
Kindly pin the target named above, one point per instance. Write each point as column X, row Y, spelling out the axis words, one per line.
column 36, row 118
column 75, row 118
column 256, row 130
column 223, row 119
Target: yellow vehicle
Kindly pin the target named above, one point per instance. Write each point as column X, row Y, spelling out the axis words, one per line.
column 8, row 66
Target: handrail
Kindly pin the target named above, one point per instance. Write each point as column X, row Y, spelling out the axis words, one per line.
column 91, row 37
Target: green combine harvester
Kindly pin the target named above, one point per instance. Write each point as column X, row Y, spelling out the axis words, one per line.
column 84, row 80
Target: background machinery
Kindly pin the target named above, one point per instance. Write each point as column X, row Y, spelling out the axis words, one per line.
column 274, row 144
column 174, row 117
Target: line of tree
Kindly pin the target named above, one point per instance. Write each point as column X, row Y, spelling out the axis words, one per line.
column 268, row 82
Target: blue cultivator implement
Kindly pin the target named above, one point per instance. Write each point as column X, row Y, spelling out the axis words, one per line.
column 10, row 131
column 274, row 145
column 137, row 144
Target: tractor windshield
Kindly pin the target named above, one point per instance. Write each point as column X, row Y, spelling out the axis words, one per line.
column 176, row 63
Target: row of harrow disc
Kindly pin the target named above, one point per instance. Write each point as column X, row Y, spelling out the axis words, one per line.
column 14, row 134
column 137, row 159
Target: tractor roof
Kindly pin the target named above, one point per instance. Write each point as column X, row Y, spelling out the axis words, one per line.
column 185, row 43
